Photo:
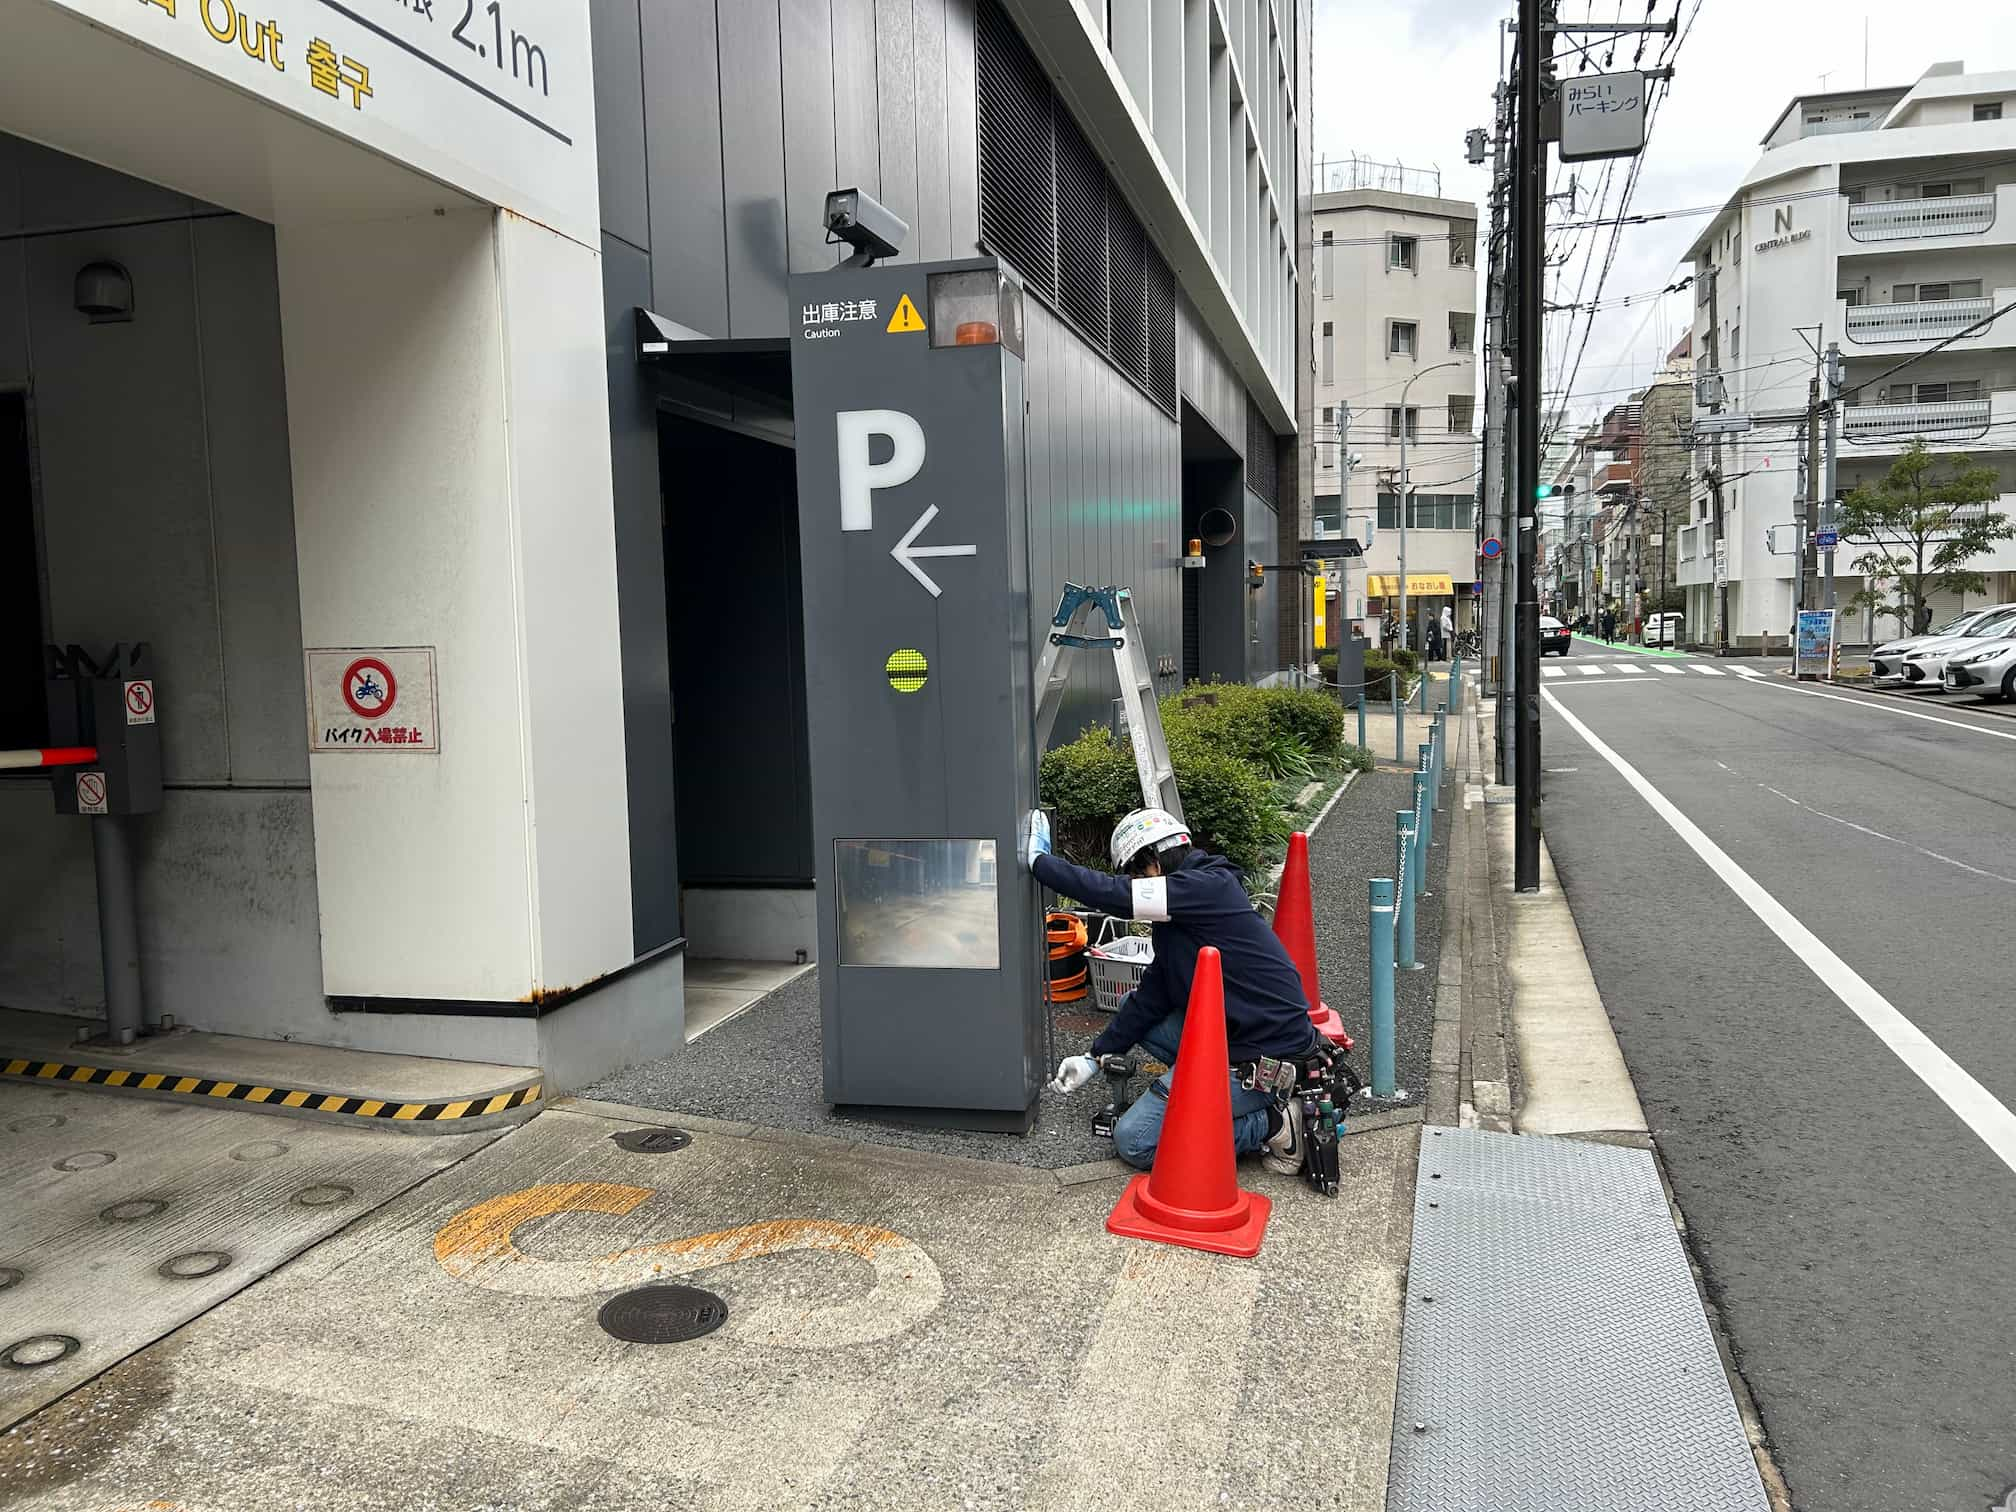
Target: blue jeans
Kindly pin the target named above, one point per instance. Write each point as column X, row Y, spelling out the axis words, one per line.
column 1139, row 1130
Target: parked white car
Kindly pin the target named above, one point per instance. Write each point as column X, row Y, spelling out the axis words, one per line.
column 1925, row 665
column 1665, row 629
column 1886, row 662
column 1988, row 669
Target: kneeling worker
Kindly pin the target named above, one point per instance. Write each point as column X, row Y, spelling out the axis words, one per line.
column 1192, row 900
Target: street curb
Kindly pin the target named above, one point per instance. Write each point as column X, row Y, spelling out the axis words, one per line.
column 1905, row 695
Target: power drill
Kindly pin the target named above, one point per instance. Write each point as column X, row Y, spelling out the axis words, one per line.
column 1119, row 1074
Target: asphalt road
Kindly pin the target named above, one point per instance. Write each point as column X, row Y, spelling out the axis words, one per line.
column 1857, row 1232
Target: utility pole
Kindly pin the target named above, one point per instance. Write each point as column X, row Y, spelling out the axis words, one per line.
column 1492, row 488
column 1531, row 206
column 1809, row 491
column 1720, row 391
column 1830, row 515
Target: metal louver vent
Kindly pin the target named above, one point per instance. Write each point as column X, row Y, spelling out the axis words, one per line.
column 1261, row 462
column 1049, row 210
column 1127, row 286
column 1081, row 232
column 1018, row 211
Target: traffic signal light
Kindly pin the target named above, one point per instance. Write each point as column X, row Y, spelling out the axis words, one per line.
column 1555, row 491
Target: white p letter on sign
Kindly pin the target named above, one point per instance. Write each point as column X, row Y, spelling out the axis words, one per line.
column 859, row 478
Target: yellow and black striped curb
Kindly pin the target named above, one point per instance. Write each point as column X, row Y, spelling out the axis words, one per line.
column 174, row 1084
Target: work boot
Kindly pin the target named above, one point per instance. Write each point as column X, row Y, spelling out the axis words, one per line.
column 1286, row 1143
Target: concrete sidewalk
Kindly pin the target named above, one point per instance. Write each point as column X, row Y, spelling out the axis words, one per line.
column 903, row 1330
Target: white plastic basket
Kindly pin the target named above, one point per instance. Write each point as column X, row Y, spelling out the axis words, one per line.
column 1116, row 968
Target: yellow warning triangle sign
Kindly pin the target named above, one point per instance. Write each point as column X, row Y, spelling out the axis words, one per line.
column 906, row 317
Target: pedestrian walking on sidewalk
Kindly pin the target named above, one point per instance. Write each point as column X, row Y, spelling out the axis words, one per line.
column 1448, row 632
column 1609, row 625
column 1192, row 900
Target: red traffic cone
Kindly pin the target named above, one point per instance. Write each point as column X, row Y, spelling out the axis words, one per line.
column 1192, row 1195
column 1295, row 928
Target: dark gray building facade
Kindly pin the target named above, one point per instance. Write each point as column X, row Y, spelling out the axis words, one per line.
column 1139, row 165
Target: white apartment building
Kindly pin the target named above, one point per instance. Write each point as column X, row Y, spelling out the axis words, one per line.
column 1394, row 320
column 1886, row 218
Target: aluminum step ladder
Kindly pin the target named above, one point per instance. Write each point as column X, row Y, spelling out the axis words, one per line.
column 1137, row 683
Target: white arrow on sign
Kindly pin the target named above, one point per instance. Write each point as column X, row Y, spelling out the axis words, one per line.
column 903, row 551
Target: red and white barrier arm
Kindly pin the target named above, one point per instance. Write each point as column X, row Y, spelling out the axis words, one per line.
column 50, row 756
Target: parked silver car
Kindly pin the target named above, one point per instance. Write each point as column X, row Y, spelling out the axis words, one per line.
column 1911, row 661
column 1987, row 668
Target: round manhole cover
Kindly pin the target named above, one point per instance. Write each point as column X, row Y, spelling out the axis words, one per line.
column 652, row 1141
column 86, row 1160
column 323, row 1194
column 662, row 1314
column 132, row 1210
column 10, row 1276
column 194, row 1265
column 38, row 1350
column 259, row 1149
column 36, row 1121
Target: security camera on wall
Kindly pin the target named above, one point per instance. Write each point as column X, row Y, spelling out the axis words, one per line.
column 872, row 229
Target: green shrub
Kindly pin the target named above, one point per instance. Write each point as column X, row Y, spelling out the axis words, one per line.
column 1091, row 783
column 1312, row 715
column 1402, row 656
column 1229, row 803
column 1379, row 670
column 1326, row 667
column 1354, row 758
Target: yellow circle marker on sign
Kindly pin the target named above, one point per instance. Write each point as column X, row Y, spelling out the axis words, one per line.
column 906, row 317
column 908, row 671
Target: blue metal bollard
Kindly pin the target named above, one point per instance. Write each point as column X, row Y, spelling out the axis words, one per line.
column 1361, row 719
column 1424, row 687
column 1427, row 795
column 1382, row 935
column 1439, row 744
column 1455, row 698
column 1424, row 834
column 1403, row 919
column 1399, row 722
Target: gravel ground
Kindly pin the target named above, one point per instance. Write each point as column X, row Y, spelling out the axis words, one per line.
column 1354, row 845
column 763, row 1065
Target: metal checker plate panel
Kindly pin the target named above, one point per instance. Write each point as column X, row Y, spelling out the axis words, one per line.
column 1564, row 1362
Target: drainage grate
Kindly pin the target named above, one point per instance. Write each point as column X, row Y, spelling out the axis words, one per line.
column 662, row 1314
column 652, row 1141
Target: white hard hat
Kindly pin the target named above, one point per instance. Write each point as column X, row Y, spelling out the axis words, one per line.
column 1145, row 827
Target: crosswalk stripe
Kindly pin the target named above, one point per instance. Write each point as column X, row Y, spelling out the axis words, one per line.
column 1553, row 671
column 1708, row 671
column 1662, row 667
column 1628, row 667
column 1590, row 669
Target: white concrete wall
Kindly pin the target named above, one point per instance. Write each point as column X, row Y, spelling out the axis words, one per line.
column 161, row 450
column 448, row 412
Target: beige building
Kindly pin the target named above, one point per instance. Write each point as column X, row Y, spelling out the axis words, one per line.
column 1394, row 325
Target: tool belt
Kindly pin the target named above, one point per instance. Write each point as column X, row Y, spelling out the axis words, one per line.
column 1268, row 1074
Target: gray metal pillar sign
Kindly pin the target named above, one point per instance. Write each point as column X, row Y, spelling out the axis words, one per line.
column 907, row 385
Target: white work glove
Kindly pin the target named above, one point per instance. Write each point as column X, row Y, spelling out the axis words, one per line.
column 1035, row 838
column 1073, row 1072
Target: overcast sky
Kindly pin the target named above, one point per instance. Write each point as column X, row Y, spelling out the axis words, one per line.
column 1404, row 80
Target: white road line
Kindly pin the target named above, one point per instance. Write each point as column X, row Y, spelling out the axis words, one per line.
column 1590, row 669
column 1553, row 671
column 1971, row 1102
column 1706, row 671
column 1629, row 666
column 1874, row 834
column 1661, row 667
column 1884, row 707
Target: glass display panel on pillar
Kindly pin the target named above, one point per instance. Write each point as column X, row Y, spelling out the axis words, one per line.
column 918, row 903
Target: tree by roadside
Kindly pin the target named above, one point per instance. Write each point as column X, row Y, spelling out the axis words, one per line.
column 1922, row 523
